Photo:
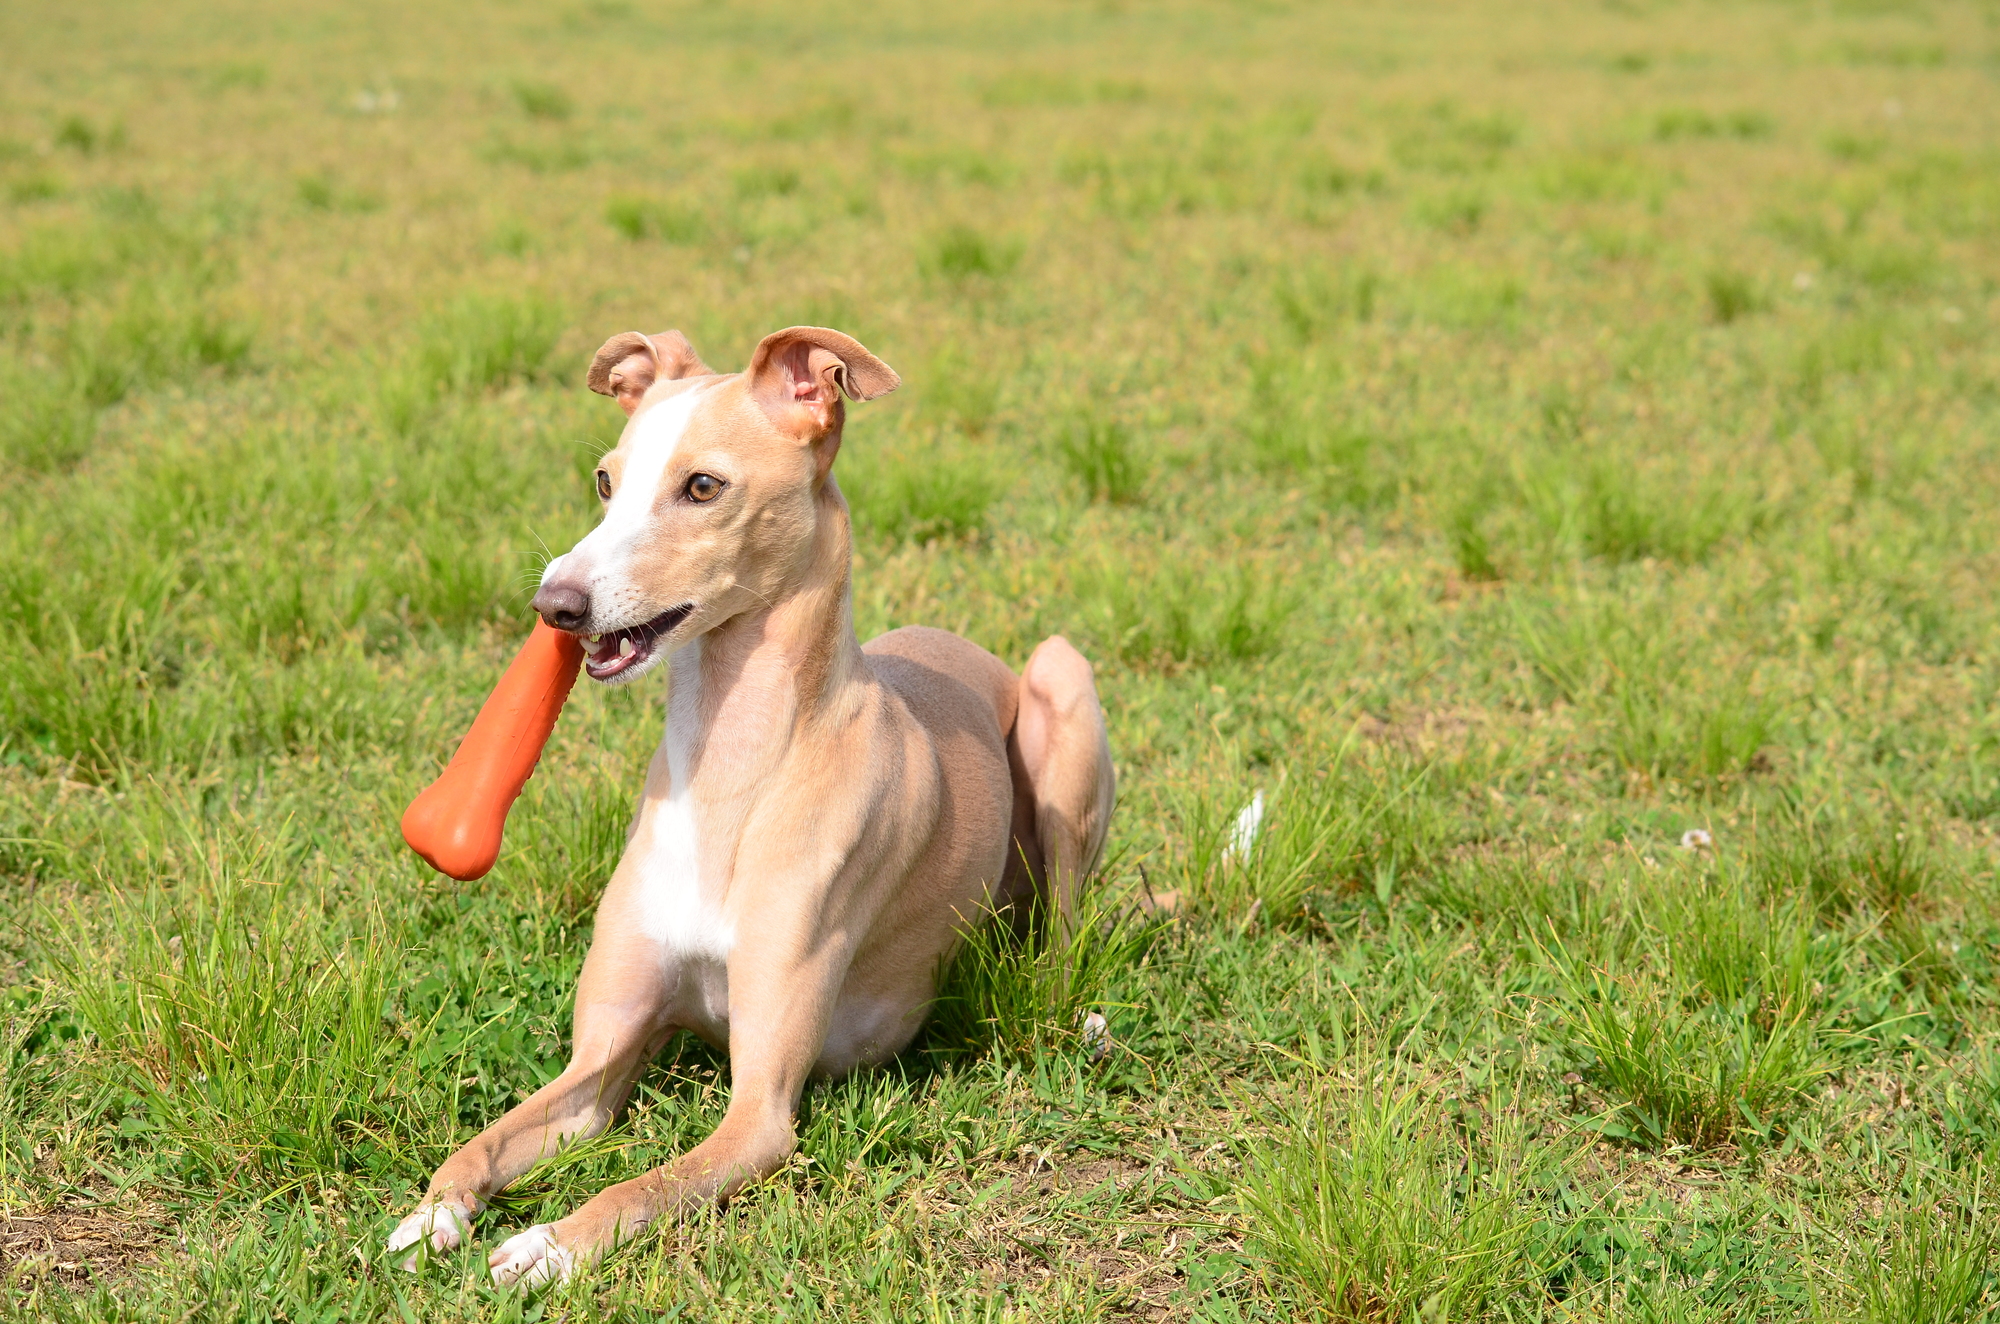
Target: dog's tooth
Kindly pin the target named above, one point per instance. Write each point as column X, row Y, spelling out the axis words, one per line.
column 625, row 646
column 595, row 639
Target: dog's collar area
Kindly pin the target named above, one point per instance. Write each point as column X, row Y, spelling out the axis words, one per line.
column 617, row 651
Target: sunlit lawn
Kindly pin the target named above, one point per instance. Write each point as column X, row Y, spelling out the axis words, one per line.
column 1549, row 455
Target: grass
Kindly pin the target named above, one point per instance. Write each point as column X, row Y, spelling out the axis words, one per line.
column 1937, row 1264
column 1377, row 1210
column 1101, row 456
column 1492, row 443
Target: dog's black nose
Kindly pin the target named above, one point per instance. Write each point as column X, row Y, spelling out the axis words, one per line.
column 563, row 606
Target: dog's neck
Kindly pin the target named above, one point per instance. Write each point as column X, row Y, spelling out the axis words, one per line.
column 747, row 690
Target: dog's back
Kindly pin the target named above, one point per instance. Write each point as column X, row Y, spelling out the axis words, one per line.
column 966, row 700
column 948, row 682
column 977, row 712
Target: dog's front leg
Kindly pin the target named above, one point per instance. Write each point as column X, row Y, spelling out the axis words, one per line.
column 619, row 1028
column 780, row 1000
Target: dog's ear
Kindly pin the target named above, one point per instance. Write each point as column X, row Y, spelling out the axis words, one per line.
column 630, row 363
column 800, row 373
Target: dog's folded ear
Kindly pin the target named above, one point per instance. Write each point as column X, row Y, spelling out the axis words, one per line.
column 800, row 373
column 629, row 363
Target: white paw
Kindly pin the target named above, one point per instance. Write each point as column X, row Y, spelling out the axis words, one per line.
column 531, row 1259
column 438, row 1227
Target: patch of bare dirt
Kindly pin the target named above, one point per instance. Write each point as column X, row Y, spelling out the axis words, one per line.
column 1137, row 1250
column 1421, row 732
column 80, row 1247
column 1636, row 1174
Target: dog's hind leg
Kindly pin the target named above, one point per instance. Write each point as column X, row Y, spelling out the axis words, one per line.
column 1059, row 748
column 618, row 1030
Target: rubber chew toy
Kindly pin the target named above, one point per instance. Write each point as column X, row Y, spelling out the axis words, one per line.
column 457, row 822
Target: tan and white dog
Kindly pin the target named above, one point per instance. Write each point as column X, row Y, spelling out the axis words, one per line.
column 822, row 819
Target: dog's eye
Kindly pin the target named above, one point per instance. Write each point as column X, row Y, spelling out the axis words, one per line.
column 604, row 484
column 704, row 487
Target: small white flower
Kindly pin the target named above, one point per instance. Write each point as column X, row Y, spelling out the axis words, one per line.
column 1243, row 837
column 1696, row 839
column 1802, row 281
column 1096, row 1036
column 1892, row 109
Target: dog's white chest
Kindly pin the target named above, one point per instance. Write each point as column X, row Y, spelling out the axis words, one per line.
column 674, row 909
column 676, row 905
column 678, row 908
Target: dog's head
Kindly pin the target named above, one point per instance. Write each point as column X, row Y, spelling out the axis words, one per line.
column 712, row 494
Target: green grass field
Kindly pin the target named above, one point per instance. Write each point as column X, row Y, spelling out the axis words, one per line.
column 1508, row 438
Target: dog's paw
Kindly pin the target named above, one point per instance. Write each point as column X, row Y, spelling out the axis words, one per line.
column 434, row 1229
column 531, row 1259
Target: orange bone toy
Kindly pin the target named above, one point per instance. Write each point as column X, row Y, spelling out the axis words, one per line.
column 457, row 822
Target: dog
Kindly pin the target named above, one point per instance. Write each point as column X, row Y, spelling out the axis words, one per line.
column 823, row 819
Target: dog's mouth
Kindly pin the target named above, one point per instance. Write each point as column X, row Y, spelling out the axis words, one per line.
column 617, row 651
